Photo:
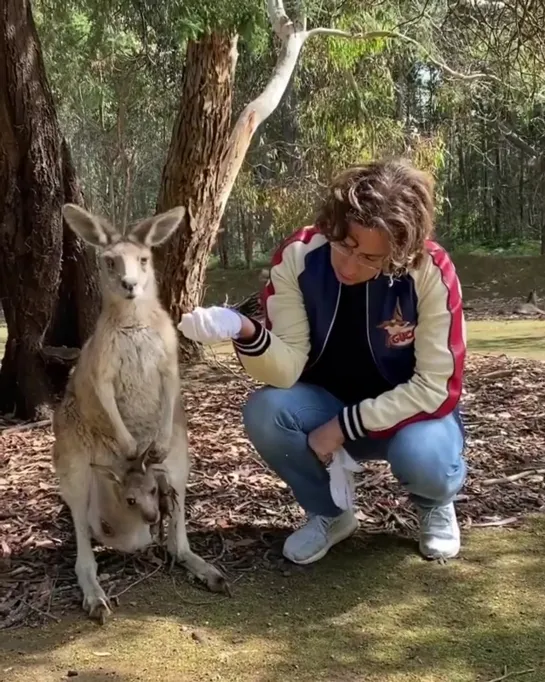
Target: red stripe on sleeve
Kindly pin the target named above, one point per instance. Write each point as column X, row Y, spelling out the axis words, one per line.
column 456, row 344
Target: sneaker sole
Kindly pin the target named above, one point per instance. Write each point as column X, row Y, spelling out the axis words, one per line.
column 334, row 541
column 434, row 556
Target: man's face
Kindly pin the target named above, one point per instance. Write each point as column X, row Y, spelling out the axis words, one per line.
column 361, row 256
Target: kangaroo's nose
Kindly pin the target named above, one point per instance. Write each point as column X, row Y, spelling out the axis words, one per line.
column 128, row 285
column 151, row 517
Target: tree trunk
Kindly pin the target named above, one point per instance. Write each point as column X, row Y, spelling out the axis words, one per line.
column 192, row 172
column 498, row 195
column 223, row 245
column 36, row 178
column 204, row 159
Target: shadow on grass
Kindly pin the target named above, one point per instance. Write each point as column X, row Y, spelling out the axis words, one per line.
column 371, row 610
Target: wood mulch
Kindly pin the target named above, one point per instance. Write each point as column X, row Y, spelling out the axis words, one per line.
column 238, row 512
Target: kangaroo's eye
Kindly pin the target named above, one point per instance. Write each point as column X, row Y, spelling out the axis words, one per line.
column 131, row 501
column 110, row 262
column 144, row 260
column 153, row 490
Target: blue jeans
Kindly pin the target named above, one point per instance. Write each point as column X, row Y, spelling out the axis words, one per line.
column 425, row 457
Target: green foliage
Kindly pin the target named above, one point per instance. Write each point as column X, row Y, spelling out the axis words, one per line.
column 115, row 67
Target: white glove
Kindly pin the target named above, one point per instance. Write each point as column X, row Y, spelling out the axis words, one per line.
column 341, row 482
column 211, row 325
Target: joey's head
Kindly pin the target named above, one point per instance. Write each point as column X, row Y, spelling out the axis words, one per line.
column 136, row 490
column 126, row 259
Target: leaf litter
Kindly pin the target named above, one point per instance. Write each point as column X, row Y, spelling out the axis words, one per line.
column 238, row 512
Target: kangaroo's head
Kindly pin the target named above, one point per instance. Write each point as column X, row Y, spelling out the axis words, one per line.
column 126, row 259
column 136, row 488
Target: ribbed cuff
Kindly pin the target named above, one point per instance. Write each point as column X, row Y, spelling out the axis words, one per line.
column 351, row 423
column 257, row 344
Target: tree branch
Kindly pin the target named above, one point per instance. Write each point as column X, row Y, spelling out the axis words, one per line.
column 293, row 35
column 371, row 35
column 517, row 141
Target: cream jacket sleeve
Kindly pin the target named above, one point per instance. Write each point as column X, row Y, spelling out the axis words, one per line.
column 277, row 353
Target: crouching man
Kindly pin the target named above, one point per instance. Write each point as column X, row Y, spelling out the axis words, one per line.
column 363, row 348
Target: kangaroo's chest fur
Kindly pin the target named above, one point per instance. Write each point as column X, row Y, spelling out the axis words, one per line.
column 141, row 362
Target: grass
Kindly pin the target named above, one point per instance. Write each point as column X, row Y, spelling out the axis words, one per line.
column 371, row 610
column 520, row 338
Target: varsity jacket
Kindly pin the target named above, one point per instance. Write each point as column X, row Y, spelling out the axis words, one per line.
column 415, row 328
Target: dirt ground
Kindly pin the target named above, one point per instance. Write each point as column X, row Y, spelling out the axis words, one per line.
column 371, row 611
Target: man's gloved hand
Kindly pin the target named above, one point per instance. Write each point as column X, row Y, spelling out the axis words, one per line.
column 211, row 325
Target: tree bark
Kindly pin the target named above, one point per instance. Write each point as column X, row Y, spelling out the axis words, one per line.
column 36, row 178
column 192, row 172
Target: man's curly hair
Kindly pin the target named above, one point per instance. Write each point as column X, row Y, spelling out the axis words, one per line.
column 391, row 195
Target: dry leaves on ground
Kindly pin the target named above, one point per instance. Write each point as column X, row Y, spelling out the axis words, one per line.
column 238, row 512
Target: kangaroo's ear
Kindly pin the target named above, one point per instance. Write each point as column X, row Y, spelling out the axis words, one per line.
column 156, row 230
column 92, row 229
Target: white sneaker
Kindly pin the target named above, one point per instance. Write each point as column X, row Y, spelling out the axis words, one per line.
column 313, row 540
column 439, row 532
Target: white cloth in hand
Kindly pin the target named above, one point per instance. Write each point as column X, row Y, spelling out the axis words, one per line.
column 341, row 470
column 211, row 325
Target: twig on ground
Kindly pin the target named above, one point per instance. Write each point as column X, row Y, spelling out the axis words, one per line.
column 42, row 613
column 513, row 477
column 25, row 427
column 498, row 374
column 496, row 523
column 136, row 582
column 514, row 673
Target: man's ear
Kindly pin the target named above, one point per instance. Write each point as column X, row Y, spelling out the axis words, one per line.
column 92, row 229
column 107, row 472
column 156, row 230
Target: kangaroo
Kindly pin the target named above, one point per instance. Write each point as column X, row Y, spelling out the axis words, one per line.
column 530, row 307
column 142, row 486
column 123, row 398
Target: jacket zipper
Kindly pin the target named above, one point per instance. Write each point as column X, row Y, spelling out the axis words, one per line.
column 330, row 327
column 368, row 333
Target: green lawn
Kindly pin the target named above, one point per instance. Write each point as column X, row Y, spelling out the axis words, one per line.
column 520, row 338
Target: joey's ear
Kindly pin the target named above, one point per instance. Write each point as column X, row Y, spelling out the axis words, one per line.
column 155, row 230
column 92, row 229
column 108, row 472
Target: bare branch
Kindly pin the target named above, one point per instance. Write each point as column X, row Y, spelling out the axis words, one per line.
column 482, row 4
column 293, row 35
column 370, row 35
column 280, row 22
column 517, row 141
column 257, row 111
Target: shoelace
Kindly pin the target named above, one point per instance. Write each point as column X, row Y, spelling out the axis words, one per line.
column 434, row 515
column 321, row 523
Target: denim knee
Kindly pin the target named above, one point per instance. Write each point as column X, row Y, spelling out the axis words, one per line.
column 427, row 458
column 263, row 415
